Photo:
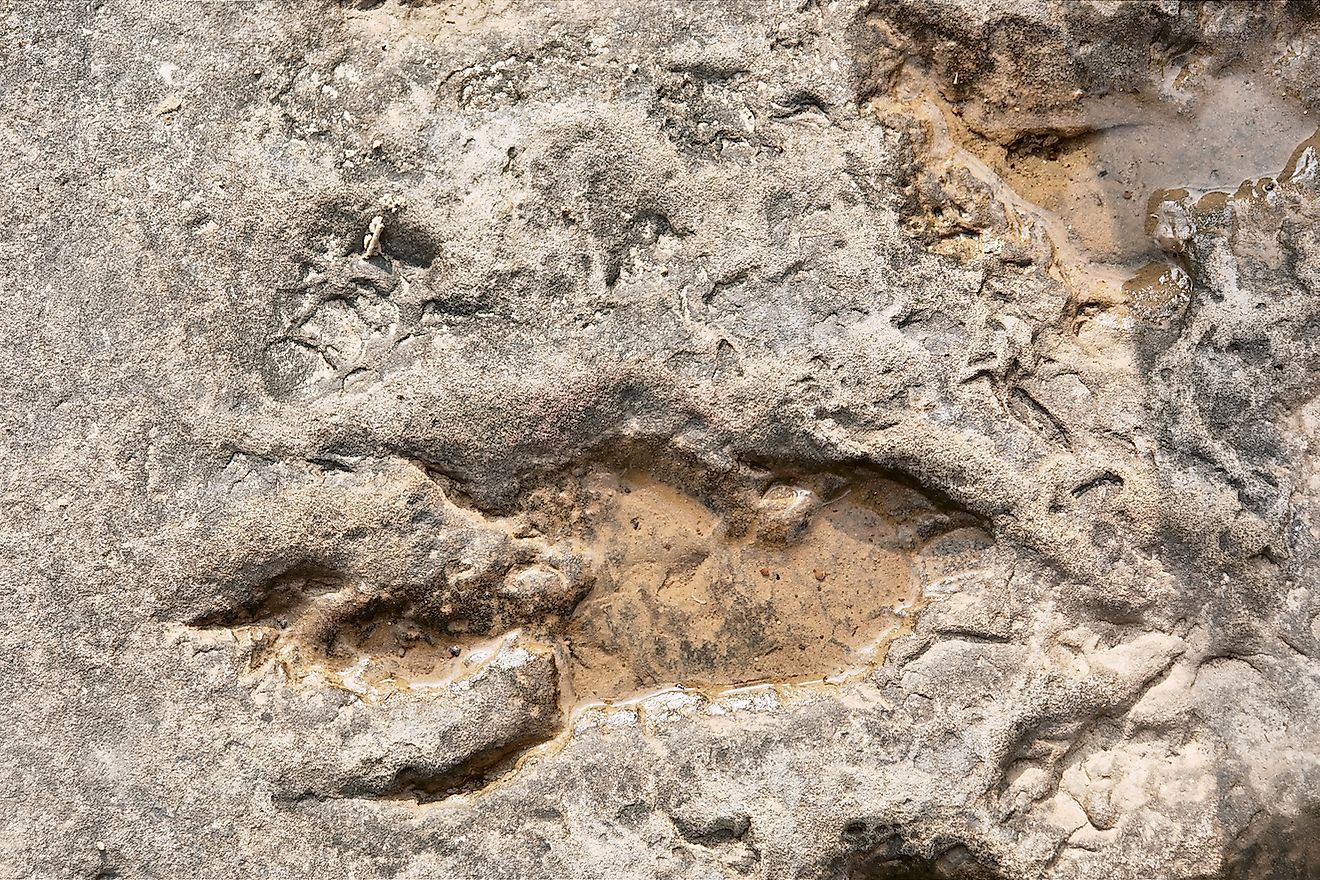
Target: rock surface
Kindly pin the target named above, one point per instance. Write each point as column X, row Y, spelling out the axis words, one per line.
column 861, row 439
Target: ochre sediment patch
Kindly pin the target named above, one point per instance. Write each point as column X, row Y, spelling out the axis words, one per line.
column 1080, row 192
column 807, row 581
column 635, row 584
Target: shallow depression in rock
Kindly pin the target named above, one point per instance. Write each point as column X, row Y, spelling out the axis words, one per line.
column 633, row 582
column 1091, row 175
column 808, row 581
column 1235, row 128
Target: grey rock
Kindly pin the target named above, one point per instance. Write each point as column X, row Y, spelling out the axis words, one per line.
column 301, row 520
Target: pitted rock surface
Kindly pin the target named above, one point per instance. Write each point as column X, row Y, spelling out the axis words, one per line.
column 804, row 438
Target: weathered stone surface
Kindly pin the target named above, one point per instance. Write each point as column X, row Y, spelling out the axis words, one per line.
column 429, row 425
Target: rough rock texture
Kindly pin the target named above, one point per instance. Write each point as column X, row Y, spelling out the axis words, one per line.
column 695, row 344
